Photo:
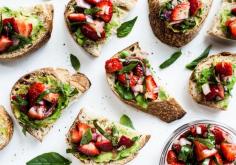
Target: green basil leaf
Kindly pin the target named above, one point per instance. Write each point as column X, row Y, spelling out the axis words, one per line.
column 87, row 137
column 126, row 27
column 141, row 101
column 204, row 54
column 185, row 152
column 126, row 121
column 124, row 92
column 91, row 11
column 128, row 68
column 171, row 60
column 210, row 142
column 51, row 158
column 108, row 136
column 75, row 62
column 41, row 96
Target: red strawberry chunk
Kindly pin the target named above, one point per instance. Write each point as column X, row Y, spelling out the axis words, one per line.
column 233, row 11
column 229, row 151
column 34, row 91
column 125, row 141
column 37, row 112
column 104, row 144
column 224, row 69
column 232, row 29
column 5, row 43
column 11, row 21
column 202, row 152
column 24, row 28
column 82, row 127
column 193, row 130
column 229, row 21
column 94, row 31
column 216, row 160
column 219, row 135
column 217, row 91
column 139, row 70
column 195, row 6
column 89, row 149
column 125, row 78
column 76, row 136
column 113, row 65
column 176, row 148
column 106, row 10
column 150, row 88
column 93, row 2
column 180, row 12
column 203, row 129
column 77, row 17
column 171, row 157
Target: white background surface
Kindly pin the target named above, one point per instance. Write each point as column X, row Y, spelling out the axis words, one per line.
column 100, row 99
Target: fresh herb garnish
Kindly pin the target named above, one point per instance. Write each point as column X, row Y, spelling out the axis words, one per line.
column 91, row 11
column 185, row 152
column 126, row 27
column 41, row 96
column 87, row 137
column 124, row 92
column 204, row 54
column 129, row 67
column 126, row 121
column 75, row 62
column 104, row 133
column 171, row 60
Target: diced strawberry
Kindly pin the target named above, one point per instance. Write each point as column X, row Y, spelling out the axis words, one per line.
column 224, row 69
column 216, row 91
column 232, row 29
column 229, row 151
column 34, row 91
column 176, row 148
column 139, row 70
column 132, row 79
column 93, row 2
column 203, row 129
column 94, row 31
column 24, row 28
column 37, row 112
column 122, row 78
column 233, row 11
column 202, row 152
column 113, row 65
column 195, row 6
column 105, row 10
column 11, row 21
column 5, row 43
column 193, row 130
column 216, row 160
column 51, row 97
column 229, row 21
column 77, row 17
column 125, row 141
column 82, row 127
column 104, row 144
column 219, row 135
column 89, row 149
column 180, row 12
column 150, row 87
column 76, row 136
column 171, row 157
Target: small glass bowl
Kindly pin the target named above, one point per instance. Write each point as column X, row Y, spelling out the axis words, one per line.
column 184, row 128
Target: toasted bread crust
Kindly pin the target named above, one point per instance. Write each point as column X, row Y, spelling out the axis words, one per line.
column 78, row 80
column 168, row 110
column 83, row 117
column 167, row 35
column 199, row 98
column 10, row 127
column 45, row 11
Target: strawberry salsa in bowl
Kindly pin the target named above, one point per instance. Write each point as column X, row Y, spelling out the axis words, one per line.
column 202, row 142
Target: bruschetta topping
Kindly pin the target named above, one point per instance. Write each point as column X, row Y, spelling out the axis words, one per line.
column 228, row 23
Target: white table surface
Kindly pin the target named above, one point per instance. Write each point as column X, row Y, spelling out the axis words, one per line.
column 100, row 99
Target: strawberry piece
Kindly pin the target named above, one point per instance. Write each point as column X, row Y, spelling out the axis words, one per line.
column 34, row 91
column 180, row 12
column 76, row 136
column 219, row 135
column 5, row 43
column 93, row 2
column 113, row 65
column 229, row 151
column 37, row 112
column 229, row 21
column 77, row 17
column 51, row 97
column 24, row 28
column 195, row 6
column 176, row 148
column 89, row 149
column 12, row 22
column 216, row 91
column 125, row 141
column 104, row 144
column 106, row 10
column 193, row 130
column 150, row 87
column 122, row 78
column 217, row 160
column 94, row 31
column 203, row 129
column 132, row 79
column 138, row 70
column 232, row 29
column 224, row 69
column 202, row 151
column 82, row 127
column 171, row 157
column 233, row 11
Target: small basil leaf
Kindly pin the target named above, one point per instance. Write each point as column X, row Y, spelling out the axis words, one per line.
column 41, row 96
column 171, row 60
column 91, row 11
column 210, row 142
column 124, row 92
column 126, row 121
column 185, row 152
column 51, row 158
column 75, row 62
column 108, row 136
column 87, row 137
column 125, row 28
column 129, row 67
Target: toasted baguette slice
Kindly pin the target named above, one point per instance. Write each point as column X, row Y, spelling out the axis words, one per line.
column 45, row 14
column 7, row 128
column 94, row 48
column 167, row 35
column 167, row 110
column 85, row 118
column 216, row 30
column 206, row 63
column 77, row 80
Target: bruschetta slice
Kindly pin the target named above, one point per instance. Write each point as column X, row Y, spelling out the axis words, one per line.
column 130, row 77
column 213, row 80
column 38, row 98
column 92, row 22
column 6, row 129
column 99, row 141
column 24, row 30
column 224, row 26
column 177, row 22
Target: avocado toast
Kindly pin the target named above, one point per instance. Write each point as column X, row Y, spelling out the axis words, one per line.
column 131, row 79
column 92, row 22
column 213, row 80
column 100, row 141
column 6, row 129
column 177, row 22
column 38, row 98
column 24, row 30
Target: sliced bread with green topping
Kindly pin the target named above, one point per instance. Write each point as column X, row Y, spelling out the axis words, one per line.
column 6, row 129
column 130, row 77
column 176, row 23
column 24, row 30
column 213, row 80
column 38, row 98
column 99, row 141
column 92, row 22
column 224, row 25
